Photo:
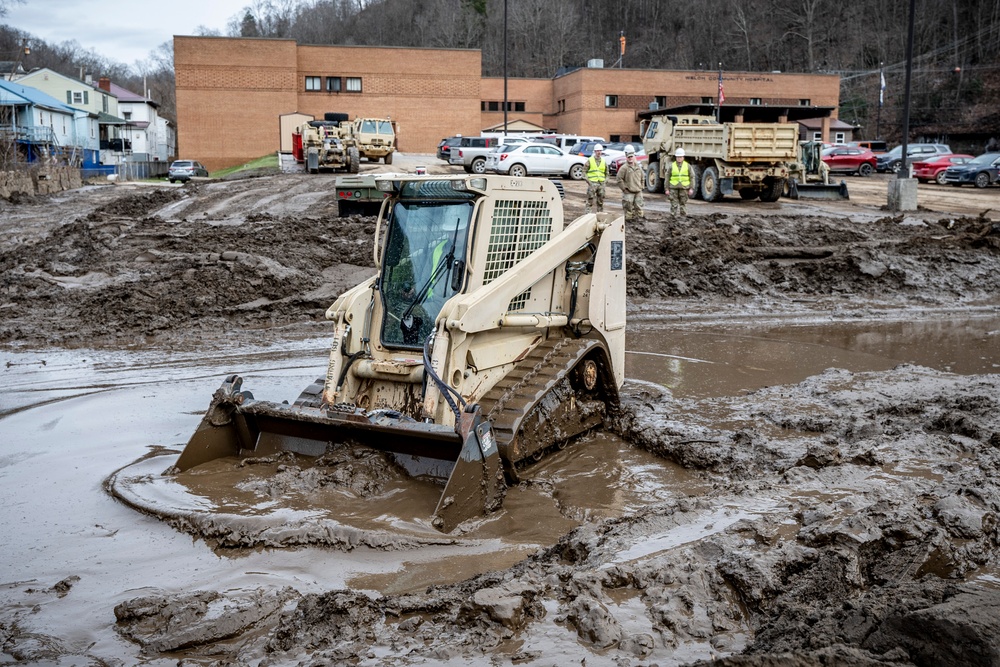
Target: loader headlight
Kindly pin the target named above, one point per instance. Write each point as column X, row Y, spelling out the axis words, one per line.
column 385, row 185
column 470, row 184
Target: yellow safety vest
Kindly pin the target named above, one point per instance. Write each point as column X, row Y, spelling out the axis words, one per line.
column 435, row 260
column 597, row 172
column 680, row 176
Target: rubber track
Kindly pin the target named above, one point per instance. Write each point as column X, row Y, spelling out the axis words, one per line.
column 516, row 395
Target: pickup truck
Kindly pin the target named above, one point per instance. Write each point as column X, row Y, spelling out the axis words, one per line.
column 471, row 152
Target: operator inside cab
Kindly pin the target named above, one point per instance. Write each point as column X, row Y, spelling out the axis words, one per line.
column 424, row 259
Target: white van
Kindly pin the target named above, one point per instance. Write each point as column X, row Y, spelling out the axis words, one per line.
column 566, row 141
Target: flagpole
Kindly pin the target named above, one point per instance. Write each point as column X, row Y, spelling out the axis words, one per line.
column 719, row 98
column 881, row 95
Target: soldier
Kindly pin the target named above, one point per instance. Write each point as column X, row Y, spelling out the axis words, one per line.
column 631, row 178
column 597, row 174
column 680, row 183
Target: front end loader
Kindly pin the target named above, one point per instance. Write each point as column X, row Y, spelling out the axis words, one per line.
column 491, row 333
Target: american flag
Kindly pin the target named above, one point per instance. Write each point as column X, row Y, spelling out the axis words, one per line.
column 722, row 95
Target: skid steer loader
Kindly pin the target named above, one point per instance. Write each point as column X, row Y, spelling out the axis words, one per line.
column 490, row 334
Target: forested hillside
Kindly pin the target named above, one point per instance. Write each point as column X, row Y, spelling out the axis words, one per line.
column 956, row 64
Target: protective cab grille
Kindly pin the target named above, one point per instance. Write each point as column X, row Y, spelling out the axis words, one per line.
column 519, row 228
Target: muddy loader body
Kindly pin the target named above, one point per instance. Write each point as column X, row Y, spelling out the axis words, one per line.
column 327, row 145
column 491, row 334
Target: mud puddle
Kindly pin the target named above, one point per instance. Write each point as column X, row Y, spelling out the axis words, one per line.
column 725, row 360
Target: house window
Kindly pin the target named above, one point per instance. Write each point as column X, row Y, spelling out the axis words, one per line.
column 839, row 138
column 312, row 82
column 805, row 103
column 708, row 100
column 127, row 115
column 354, row 84
column 104, row 102
column 611, row 101
column 333, row 84
column 755, row 101
column 817, row 136
column 77, row 97
column 518, row 106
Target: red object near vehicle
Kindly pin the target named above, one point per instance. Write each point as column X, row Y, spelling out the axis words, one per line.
column 850, row 159
column 297, row 146
column 619, row 162
column 932, row 169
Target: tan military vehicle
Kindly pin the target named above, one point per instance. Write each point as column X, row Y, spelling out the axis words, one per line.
column 375, row 138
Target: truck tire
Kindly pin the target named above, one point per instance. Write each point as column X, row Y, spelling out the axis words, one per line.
column 710, row 190
column 388, row 158
column 354, row 159
column 653, row 182
column 773, row 187
column 749, row 194
column 479, row 165
column 336, row 117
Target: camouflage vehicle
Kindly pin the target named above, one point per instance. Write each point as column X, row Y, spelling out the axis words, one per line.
column 375, row 138
column 327, row 145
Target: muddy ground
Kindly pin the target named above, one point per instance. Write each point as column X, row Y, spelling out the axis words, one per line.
column 848, row 519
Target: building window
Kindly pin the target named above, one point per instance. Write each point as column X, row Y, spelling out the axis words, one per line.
column 78, row 97
column 817, row 136
column 518, row 106
column 104, row 103
column 561, row 106
column 127, row 115
column 354, row 84
column 610, row 101
column 660, row 101
column 708, row 100
column 839, row 138
column 755, row 101
column 333, row 84
column 313, row 82
column 805, row 103
column 494, row 106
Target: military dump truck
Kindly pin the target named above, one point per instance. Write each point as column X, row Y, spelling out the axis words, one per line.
column 751, row 159
column 326, row 145
column 491, row 334
column 375, row 138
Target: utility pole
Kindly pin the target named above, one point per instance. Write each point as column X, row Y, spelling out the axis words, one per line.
column 504, row 68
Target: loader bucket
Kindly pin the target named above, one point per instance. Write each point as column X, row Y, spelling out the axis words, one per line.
column 236, row 425
column 832, row 191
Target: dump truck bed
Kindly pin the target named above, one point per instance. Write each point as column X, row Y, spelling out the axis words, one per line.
column 742, row 142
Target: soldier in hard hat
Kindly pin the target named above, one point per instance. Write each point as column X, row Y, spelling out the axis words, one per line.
column 597, row 174
column 631, row 179
column 679, row 185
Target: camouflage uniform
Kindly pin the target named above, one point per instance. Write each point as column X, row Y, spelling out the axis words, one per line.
column 678, row 186
column 597, row 174
column 631, row 178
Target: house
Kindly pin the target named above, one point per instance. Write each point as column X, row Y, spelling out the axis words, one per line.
column 114, row 146
column 837, row 131
column 36, row 127
column 151, row 136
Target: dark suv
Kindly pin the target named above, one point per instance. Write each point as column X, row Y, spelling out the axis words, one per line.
column 892, row 160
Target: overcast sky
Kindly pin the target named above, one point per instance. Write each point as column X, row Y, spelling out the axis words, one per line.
column 120, row 30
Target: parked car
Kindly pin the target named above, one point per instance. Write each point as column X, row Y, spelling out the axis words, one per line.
column 892, row 160
column 535, row 159
column 932, row 169
column 850, row 159
column 617, row 163
column 876, row 147
column 980, row 171
column 584, row 148
column 444, row 148
column 185, row 170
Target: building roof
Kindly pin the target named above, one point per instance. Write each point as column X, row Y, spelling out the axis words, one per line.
column 125, row 95
column 42, row 70
column 14, row 94
column 817, row 123
column 108, row 119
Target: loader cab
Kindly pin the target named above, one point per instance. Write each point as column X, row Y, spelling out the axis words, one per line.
column 424, row 260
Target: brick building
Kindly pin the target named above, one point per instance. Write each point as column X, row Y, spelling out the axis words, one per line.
column 231, row 93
